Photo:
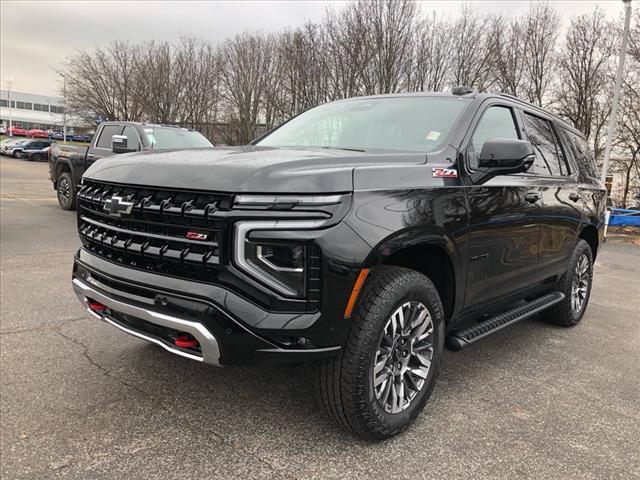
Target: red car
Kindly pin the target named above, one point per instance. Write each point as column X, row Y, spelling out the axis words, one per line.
column 17, row 132
column 36, row 133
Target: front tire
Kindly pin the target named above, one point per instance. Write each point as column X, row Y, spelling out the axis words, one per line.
column 386, row 372
column 66, row 191
column 576, row 286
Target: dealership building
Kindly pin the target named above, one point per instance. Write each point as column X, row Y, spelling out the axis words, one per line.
column 30, row 110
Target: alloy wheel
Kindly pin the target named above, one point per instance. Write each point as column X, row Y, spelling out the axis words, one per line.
column 403, row 357
column 64, row 192
column 580, row 284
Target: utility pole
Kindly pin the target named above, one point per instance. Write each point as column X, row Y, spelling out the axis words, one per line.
column 9, row 82
column 616, row 91
column 64, row 108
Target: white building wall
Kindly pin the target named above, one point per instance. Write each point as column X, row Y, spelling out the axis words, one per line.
column 31, row 110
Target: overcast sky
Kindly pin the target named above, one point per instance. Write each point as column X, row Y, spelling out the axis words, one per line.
column 37, row 36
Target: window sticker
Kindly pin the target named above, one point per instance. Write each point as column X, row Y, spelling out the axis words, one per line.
column 433, row 135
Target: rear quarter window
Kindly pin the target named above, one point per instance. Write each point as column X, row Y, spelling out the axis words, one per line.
column 580, row 150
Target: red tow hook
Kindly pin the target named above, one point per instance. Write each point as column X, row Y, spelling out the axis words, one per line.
column 97, row 306
column 186, row 341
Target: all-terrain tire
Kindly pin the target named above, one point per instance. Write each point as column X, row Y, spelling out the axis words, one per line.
column 66, row 191
column 564, row 313
column 345, row 384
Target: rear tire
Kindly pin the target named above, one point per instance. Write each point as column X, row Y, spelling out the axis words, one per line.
column 386, row 372
column 36, row 157
column 66, row 191
column 576, row 286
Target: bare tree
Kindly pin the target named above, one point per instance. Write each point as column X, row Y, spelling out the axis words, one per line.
column 103, row 83
column 347, row 51
column 627, row 142
column 389, row 26
column 472, row 52
column 540, row 28
column 585, row 74
column 507, row 54
column 246, row 61
column 429, row 70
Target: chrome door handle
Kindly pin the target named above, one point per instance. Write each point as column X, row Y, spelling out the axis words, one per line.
column 532, row 197
column 574, row 196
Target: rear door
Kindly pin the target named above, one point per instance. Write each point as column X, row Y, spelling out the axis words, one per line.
column 503, row 233
column 561, row 204
column 102, row 146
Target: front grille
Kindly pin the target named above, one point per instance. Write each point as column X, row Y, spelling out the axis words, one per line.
column 153, row 235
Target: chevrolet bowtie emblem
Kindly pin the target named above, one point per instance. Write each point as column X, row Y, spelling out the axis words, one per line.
column 116, row 206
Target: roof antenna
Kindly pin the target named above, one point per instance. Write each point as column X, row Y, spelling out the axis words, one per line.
column 462, row 90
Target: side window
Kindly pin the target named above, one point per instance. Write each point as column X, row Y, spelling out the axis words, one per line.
column 132, row 138
column 108, row 131
column 549, row 156
column 581, row 153
column 496, row 122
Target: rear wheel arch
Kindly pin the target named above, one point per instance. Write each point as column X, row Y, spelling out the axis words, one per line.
column 590, row 235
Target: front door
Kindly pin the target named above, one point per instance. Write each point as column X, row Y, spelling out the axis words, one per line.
column 503, row 233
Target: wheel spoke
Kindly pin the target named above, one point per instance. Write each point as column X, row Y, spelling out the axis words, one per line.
column 403, row 357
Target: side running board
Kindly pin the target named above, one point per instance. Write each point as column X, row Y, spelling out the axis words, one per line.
column 457, row 340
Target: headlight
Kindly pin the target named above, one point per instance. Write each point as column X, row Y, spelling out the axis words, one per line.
column 279, row 265
column 283, row 264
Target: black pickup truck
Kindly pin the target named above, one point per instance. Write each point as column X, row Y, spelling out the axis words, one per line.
column 365, row 234
column 67, row 163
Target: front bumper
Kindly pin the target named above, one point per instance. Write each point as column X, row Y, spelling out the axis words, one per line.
column 156, row 308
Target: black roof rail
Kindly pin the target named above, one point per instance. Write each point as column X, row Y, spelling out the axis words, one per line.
column 502, row 94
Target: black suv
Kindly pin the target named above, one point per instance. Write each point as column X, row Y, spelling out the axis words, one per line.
column 366, row 234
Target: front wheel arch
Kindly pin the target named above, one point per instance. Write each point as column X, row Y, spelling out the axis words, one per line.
column 435, row 262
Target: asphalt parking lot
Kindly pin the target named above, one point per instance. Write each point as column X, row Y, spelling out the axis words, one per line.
column 82, row 400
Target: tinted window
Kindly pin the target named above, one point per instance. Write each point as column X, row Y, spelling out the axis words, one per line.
column 581, row 152
column 549, row 157
column 496, row 122
column 418, row 124
column 132, row 138
column 165, row 138
column 108, row 131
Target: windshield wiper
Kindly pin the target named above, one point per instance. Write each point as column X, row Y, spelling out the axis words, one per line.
column 344, row 148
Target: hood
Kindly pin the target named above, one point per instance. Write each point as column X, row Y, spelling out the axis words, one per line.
column 244, row 169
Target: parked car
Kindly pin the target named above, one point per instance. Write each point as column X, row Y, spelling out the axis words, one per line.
column 37, row 133
column 366, row 234
column 34, row 150
column 81, row 138
column 3, row 130
column 56, row 135
column 17, row 132
column 67, row 163
column 12, row 147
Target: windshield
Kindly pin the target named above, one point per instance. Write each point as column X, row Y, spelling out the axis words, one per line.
column 414, row 124
column 164, row 138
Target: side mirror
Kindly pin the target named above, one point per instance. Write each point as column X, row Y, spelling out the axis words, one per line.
column 506, row 155
column 119, row 144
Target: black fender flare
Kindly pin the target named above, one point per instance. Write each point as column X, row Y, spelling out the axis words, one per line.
column 429, row 236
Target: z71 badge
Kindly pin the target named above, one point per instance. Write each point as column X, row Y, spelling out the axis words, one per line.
column 445, row 172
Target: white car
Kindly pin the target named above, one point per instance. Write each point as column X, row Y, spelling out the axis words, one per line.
column 12, row 147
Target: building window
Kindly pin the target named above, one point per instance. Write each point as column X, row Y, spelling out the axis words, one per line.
column 4, row 103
